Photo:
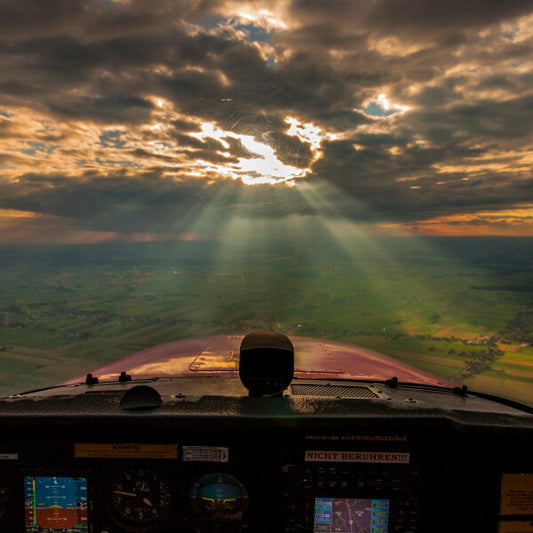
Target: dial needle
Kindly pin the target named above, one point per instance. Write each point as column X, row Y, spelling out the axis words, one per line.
column 125, row 493
column 147, row 502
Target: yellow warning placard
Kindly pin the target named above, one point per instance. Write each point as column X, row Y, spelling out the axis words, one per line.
column 517, row 494
column 95, row 450
column 9, row 456
column 516, row 526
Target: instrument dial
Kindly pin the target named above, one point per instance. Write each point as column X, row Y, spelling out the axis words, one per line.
column 140, row 500
column 218, row 497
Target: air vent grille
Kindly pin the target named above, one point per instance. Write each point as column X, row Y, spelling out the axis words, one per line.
column 333, row 391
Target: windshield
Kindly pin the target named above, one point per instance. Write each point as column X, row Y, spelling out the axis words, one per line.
column 359, row 171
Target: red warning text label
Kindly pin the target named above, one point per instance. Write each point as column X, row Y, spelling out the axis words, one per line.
column 357, row 457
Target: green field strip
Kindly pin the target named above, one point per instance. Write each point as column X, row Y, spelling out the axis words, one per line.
column 518, row 390
column 515, row 369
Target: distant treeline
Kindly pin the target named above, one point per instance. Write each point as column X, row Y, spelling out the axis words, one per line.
column 513, row 288
column 482, row 251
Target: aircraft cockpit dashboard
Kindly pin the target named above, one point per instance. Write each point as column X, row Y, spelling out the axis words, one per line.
column 208, row 453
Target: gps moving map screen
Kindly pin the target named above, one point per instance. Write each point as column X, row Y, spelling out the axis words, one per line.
column 351, row 515
column 55, row 504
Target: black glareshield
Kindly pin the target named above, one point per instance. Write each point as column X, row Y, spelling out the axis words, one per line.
column 266, row 364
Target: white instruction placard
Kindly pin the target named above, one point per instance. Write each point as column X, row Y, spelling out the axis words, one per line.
column 210, row 454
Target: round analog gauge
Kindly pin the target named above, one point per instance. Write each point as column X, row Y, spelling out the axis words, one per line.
column 140, row 500
column 218, row 497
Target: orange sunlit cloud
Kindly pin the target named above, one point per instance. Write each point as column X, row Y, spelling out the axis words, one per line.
column 506, row 223
column 497, row 161
column 39, row 143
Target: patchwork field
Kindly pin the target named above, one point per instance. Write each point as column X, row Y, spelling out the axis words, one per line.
column 460, row 309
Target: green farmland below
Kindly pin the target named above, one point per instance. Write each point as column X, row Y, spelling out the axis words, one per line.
column 459, row 308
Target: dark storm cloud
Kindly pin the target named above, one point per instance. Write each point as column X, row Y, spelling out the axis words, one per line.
column 92, row 19
column 145, row 203
column 290, row 149
column 443, row 17
column 109, row 109
column 95, row 201
column 463, row 145
column 403, row 16
column 499, row 122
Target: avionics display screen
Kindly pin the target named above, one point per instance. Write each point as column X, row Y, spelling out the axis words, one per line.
column 351, row 515
column 55, row 504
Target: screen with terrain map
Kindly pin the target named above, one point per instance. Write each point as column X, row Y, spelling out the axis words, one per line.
column 350, row 515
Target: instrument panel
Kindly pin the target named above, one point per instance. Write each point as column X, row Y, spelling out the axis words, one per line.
column 263, row 465
column 132, row 498
column 116, row 487
column 308, row 483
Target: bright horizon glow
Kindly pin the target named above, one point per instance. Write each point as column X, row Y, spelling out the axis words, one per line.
column 504, row 223
column 18, row 227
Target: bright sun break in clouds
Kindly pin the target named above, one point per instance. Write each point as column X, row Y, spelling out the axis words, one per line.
column 262, row 17
column 109, row 148
column 266, row 168
column 381, row 107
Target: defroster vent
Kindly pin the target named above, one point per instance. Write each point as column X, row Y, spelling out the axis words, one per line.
column 333, row 391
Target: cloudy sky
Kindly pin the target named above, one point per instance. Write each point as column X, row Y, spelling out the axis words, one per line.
column 146, row 120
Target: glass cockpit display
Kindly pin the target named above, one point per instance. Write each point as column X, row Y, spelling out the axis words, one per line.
column 350, row 515
column 55, row 504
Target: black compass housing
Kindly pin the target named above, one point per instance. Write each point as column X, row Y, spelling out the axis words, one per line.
column 266, row 364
